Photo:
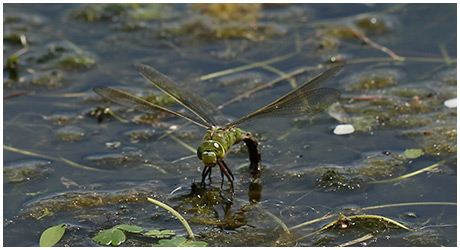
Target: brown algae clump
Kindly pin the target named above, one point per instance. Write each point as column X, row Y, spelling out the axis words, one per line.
column 232, row 12
column 20, row 171
column 225, row 21
column 373, row 79
column 375, row 24
column 70, row 133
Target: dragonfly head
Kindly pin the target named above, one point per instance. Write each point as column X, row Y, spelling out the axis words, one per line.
column 210, row 152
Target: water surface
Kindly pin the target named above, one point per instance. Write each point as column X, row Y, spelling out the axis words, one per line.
column 66, row 162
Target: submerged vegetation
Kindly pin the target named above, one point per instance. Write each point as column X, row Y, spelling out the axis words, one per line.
column 79, row 172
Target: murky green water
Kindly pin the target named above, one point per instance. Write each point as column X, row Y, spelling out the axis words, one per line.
column 66, row 161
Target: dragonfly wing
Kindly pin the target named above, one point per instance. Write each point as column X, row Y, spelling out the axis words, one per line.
column 131, row 101
column 303, row 100
column 305, row 103
column 203, row 109
column 313, row 83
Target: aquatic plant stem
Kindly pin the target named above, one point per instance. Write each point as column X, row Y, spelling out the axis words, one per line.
column 278, row 220
column 380, row 218
column 377, row 207
column 71, row 163
column 312, row 221
column 445, row 54
column 373, row 44
column 437, row 203
column 25, row 152
column 246, row 67
column 358, row 240
column 348, row 218
column 274, row 70
column 406, row 59
column 410, row 174
column 25, row 92
column 182, row 143
column 266, row 85
column 175, row 213
column 156, row 167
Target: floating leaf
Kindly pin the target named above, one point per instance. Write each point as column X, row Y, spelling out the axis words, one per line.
column 52, row 235
column 175, row 242
column 180, row 242
column 195, row 244
column 113, row 236
column 160, row 234
column 413, row 153
column 130, row 228
column 116, row 235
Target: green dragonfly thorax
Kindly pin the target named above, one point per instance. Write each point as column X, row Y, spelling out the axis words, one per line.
column 217, row 142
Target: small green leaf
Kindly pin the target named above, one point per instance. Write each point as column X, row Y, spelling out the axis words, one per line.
column 112, row 236
column 45, row 212
column 104, row 237
column 175, row 242
column 413, row 153
column 410, row 214
column 160, row 234
column 195, row 244
column 180, row 242
column 52, row 235
column 130, row 228
column 118, row 237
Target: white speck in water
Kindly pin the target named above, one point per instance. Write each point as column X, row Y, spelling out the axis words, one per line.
column 344, row 129
column 451, row 103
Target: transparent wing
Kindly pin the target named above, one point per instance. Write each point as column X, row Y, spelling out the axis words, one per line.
column 303, row 100
column 305, row 103
column 311, row 84
column 131, row 101
column 205, row 110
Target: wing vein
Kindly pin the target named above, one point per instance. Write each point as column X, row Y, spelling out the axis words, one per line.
column 205, row 110
column 131, row 101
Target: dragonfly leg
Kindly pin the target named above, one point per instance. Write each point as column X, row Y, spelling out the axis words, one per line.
column 223, row 169
column 209, row 175
column 254, row 154
column 228, row 169
column 206, row 172
column 222, row 175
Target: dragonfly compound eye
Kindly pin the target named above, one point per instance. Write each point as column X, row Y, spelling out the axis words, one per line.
column 209, row 158
column 210, row 152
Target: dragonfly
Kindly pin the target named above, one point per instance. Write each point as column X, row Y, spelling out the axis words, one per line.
column 220, row 135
